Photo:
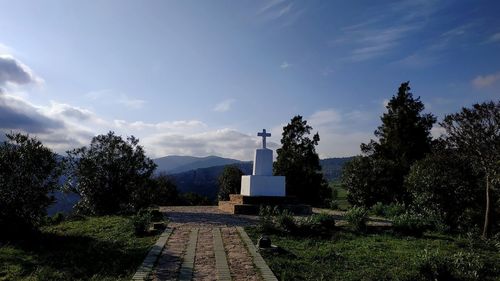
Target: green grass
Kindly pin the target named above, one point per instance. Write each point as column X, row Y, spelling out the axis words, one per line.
column 341, row 195
column 96, row 248
column 350, row 256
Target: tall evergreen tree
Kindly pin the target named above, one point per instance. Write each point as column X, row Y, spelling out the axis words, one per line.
column 404, row 135
column 229, row 182
column 298, row 161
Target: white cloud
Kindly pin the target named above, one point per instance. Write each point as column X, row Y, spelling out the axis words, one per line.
column 285, row 65
column 15, row 72
column 325, row 117
column 486, row 80
column 224, row 105
column 495, row 37
column 131, row 102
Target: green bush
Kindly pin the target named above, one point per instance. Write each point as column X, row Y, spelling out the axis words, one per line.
column 434, row 266
column 29, row 172
column 266, row 222
column 141, row 221
column 286, row 222
column 410, row 223
column 468, row 266
column 333, row 204
column 378, row 209
column 57, row 218
column 356, row 217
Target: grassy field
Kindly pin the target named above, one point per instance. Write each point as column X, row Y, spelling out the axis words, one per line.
column 341, row 195
column 100, row 248
column 350, row 256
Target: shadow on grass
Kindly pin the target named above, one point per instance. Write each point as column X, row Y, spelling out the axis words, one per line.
column 66, row 257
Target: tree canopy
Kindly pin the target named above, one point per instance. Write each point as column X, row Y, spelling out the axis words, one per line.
column 111, row 174
column 298, row 161
column 28, row 173
column 475, row 133
column 229, row 182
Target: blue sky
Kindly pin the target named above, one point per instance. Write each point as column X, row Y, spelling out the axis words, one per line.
column 202, row 77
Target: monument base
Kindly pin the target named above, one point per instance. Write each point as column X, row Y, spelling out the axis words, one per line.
column 256, row 185
column 250, row 205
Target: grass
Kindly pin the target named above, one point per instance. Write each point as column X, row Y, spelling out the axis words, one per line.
column 351, row 256
column 95, row 248
column 341, row 195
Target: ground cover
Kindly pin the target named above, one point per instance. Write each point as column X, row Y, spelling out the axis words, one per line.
column 381, row 256
column 94, row 248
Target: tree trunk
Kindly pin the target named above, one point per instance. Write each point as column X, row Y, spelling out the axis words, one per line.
column 487, row 211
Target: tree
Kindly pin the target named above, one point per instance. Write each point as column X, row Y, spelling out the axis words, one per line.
column 444, row 185
column 298, row 161
column 110, row 174
column 28, row 173
column 403, row 138
column 369, row 180
column 229, row 182
column 404, row 135
column 475, row 133
column 164, row 191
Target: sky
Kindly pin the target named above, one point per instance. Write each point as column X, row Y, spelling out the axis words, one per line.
column 202, row 78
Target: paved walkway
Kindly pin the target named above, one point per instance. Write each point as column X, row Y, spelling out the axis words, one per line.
column 206, row 244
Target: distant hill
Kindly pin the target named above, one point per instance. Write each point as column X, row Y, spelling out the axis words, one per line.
column 332, row 167
column 204, row 180
column 178, row 164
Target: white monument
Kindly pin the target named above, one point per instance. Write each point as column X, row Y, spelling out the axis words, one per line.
column 262, row 182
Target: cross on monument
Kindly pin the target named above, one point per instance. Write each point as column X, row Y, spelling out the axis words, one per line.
column 264, row 134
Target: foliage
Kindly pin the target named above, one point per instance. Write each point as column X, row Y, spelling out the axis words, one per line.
column 410, row 223
column 475, row 133
column 28, row 172
column 229, row 182
column 94, row 248
column 194, row 199
column 389, row 211
column 164, row 191
column 286, row 222
column 369, row 180
column 444, row 185
column 266, row 220
column 317, row 224
column 357, row 217
column 141, row 221
column 298, row 161
column 403, row 138
column 404, row 135
column 111, row 174
column 349, row 256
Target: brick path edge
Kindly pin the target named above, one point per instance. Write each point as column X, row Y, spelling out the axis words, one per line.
column 144, row 271
column 259, row 262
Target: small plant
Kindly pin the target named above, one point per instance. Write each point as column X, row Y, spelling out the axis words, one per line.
column 357, row 216
column 410, row 223
column 468, row 266
column 57, row 218
column 317, row 224
column 266, row 223
column 433, row 266
column 378, row 209
column 333, row 204
column 141, row 221
column 156, row 215
column 286, row 222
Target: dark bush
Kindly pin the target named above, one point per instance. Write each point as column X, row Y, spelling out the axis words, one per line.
column 357, row 217
column 28, row 173
column 286, row 222
column 410, row 223
column 141, row 221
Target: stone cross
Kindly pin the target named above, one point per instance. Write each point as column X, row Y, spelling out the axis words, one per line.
column 264, row 134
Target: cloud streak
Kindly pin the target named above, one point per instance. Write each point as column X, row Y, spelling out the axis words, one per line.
column 15, row 72
column 487, row 80
column 224, row 105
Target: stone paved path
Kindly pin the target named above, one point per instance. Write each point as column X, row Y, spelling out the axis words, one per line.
column 219, row 251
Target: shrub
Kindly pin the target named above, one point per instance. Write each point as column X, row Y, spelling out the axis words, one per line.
column 333, row 204
column 156, row 215
column 112, row 174
column 468, row 266
column 378, row 209
column 410, row 223
column 266, row 223
column 286, row 222
column 57, row 218
column 433, row 266
column 141, row 221
column 28, row 173
column 357, row 216
column 229, row 182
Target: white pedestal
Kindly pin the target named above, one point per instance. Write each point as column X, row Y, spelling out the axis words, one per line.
column 263, row 162
column 258, row 185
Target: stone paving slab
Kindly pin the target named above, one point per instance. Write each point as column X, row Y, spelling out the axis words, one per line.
column 205, row 245
column 144, row 271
